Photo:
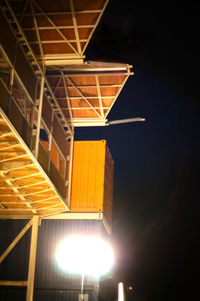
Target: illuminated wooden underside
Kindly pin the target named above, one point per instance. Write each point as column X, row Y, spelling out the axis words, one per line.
column 58, row 28
column 55, row 35
column 87, row 92
column 25, row 189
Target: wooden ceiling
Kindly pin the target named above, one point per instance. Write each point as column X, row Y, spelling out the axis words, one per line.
column 24, row 187
column 87, row 92
column 58, row 28
column 54, row 35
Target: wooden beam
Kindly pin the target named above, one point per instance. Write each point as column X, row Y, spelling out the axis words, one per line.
column 10, row 166
column 31, row 185
column 11, row 153
column 14, row 158
column 16, row 191
column 5, row 148
column 24, row 177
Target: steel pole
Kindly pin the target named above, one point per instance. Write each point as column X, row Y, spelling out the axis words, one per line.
column 32, row 259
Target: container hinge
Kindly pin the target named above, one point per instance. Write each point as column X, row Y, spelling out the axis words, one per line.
column 66, row 183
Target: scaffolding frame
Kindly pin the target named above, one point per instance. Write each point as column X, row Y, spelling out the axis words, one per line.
column 34, row 224
column 75, row 92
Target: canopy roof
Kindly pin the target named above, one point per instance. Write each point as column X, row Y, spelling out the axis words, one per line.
column 58, row 29
column 87, row 92
column 54, row 36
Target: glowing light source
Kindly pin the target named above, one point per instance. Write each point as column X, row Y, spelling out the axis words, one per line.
column 85, row 255
column 121, row 296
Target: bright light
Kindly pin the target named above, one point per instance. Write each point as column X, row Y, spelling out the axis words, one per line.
column 121, row 296
column 85, row 255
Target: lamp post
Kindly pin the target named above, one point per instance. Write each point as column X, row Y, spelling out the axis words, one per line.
column 85, row 255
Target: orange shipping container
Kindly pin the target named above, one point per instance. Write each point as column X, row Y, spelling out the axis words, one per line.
column 92, row 178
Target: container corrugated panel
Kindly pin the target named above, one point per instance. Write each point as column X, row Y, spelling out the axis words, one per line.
column 13, row 294
column 92, row 178
column 19, row 294
column 15, row 265
column 51, row 295
column 48, row 276
column 108, row 186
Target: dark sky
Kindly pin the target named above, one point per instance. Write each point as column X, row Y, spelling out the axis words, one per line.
column 156, row 190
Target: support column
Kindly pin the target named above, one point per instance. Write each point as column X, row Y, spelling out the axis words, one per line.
column 32, row 259
column 70, row 171
column 37, row 140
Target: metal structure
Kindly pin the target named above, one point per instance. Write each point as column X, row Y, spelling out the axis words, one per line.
column 46, row 89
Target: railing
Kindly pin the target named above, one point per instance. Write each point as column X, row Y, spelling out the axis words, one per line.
column 37, row 124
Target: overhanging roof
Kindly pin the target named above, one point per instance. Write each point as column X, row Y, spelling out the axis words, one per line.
column 54, row 36
column 87, row 92
column 58, row 29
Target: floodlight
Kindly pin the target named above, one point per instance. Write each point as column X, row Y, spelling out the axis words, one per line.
column 85, row 255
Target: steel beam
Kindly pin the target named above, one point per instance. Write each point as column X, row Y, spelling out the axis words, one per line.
column 39, row 118
column 12, row 283
column 32, row 259
column 15, row 241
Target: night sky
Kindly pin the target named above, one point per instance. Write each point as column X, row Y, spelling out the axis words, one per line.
column 156, row 193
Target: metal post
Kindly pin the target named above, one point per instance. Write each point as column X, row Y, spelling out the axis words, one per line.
column 82, row 285
column 39, row 118
column 70, row 170
column 32, row 259
column 12, row 75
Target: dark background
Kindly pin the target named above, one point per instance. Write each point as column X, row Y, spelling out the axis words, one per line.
column 156, row 192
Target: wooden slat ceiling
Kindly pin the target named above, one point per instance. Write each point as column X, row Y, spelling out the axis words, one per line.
column 87, row 92
column 58, row 28
column 57, row 32
column 24, row 187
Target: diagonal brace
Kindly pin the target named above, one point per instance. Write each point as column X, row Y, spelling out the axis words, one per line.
column 15, row 241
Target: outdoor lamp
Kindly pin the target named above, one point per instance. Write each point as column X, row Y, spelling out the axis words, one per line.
column 86, row 255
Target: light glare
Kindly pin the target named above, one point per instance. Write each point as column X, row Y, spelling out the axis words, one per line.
column 85, row 255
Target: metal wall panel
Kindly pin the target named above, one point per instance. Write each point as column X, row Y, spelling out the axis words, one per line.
column 12, row 294
column 92, row 178
column 88, row 176
column 19, row 294
column 51, row 295
column 15, row 115
column 108, row 186
column 50, row 282
column 47, row 112
column 51, row 233
column 15, row 265
column 17, row 57
column 60, row 136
